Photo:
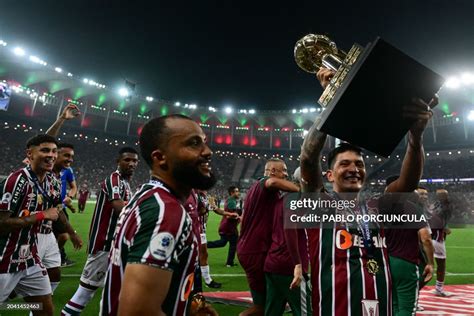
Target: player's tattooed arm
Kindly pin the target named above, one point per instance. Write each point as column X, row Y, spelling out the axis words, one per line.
column 310, row 160
column 8, row 224
column 310, row 157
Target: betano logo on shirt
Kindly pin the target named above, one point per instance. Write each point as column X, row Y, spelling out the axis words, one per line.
column 346, row 240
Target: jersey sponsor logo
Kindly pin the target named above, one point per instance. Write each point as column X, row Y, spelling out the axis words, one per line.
column 346, row 240
column 115, row 190
column 343, row 239
column 162, row 245
column 7, row 198
column 18, row 190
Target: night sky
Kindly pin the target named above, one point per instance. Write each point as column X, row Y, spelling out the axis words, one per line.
column 222, row 52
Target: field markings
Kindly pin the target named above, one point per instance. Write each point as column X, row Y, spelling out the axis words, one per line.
column 216, row 275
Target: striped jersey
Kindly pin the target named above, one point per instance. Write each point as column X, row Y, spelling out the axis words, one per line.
column 340, row 265
column 46, row 226
column 21, row 196
column 104, row 220
column 154, row 229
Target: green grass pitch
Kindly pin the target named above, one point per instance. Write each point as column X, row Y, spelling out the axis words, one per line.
column 460, row 265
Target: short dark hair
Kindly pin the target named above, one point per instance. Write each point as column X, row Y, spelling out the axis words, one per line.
column 231, row 189
column 40, row 139
column 153, row 135
column 421, row 188
column 65, row 145
column 342, row 148
column 130, row 150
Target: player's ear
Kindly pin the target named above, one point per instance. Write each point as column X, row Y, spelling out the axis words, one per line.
column 159, row 158
column 330, row 175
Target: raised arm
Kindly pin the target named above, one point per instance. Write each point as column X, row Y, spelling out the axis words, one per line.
column 412, row 166
column 310, row 161
column 69, row 112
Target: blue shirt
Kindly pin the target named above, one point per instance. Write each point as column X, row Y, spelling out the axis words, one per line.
column 67, row 176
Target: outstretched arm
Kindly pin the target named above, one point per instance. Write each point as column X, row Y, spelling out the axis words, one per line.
column 311, row 178
column 69, row 112
column 412, row 166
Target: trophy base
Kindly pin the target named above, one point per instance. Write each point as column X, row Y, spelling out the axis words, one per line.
column 364, row 102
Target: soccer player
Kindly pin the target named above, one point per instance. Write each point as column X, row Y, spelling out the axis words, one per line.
column 154, row 254
column 228, row 226
column 63, row 170
column 112, row 198
column 83, row 195
column 403, row 244
column 440, row 214
column 286, row 268
column 203, row 207
column 29, row 196
column 349, row 265
column 256, row 228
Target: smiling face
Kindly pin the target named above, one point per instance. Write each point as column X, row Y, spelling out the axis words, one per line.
column 347, row 173
column 186, row 156
column 42, row 157
column 65, row 157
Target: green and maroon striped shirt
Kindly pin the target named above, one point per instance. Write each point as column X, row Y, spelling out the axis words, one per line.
column 153, row 229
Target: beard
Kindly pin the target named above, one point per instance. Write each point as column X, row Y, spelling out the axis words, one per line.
column 190, row 174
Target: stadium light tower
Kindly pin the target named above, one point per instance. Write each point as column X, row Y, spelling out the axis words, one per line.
column 470, row 116
column 228, row 110
column 123, row 92
column 453, row 83
column 19, row 51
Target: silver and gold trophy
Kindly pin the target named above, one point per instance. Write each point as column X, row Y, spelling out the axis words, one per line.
column 364, row 100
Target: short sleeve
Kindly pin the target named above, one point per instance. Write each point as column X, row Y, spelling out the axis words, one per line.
column 112, row 187
column 12, row 192
column 161, row 235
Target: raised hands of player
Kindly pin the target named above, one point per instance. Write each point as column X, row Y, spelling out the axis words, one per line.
column 422, row 113
column 70, row 112
column 76, row 241
column 51, row 213
column 324, row 76
column 428, row 273
column 232, row 215
column 297, row 276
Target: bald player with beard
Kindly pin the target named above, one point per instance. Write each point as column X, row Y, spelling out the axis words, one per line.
column 256, row 228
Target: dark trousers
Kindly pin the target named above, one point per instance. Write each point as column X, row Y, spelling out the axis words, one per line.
column 232, row 240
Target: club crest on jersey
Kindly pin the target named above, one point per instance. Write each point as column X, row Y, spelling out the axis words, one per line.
column 7, row 198
column 115, row 190
column 162, row 245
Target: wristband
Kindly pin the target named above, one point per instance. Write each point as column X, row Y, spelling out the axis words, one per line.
column 39, row 216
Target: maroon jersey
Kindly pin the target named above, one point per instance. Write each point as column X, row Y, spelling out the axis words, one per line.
column 289, row 246
column 83, row 195
column 403, row 242
column 229, row 225
column 440, row 213
column 23, row 195
column 257, row 220
column 104, row 220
